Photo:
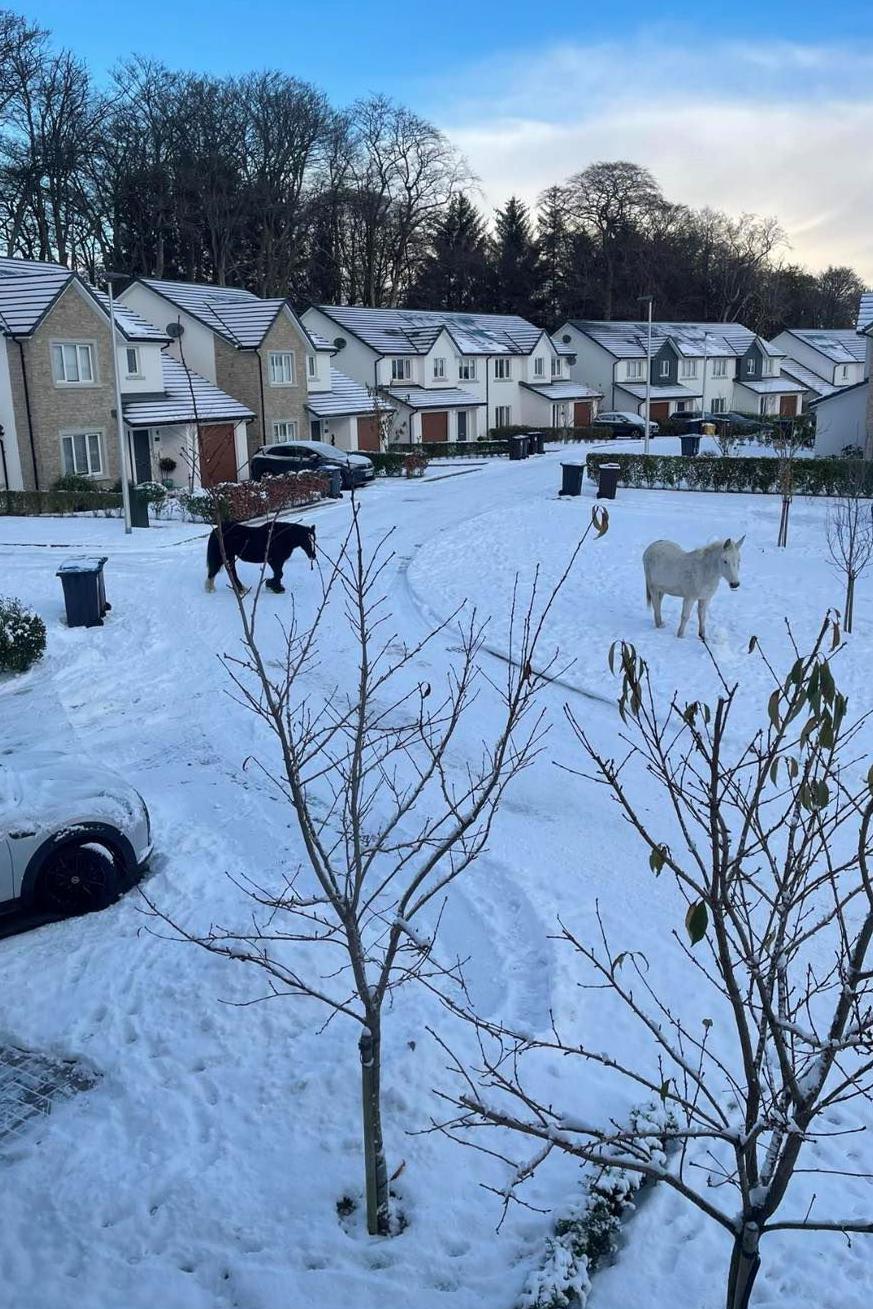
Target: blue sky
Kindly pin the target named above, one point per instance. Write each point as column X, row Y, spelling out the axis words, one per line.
column 748, row 106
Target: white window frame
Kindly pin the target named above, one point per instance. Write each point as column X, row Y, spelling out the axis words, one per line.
column 89, row 436
column 636, row 370
column 719, row 368
column 539, row 366
column 557, row 366
column 439, row 368
column 844, row 372
column 503, row 415
column 136, row 370
column 278, row 370
column 67, row 357
column 664, row 370
column 467, row 370
column 285, row 429
column 688, row 368
column 718, row 405
column 311, row 367
column 401, row 369
column 558, row 415
column 750, row 368
column 503, row 370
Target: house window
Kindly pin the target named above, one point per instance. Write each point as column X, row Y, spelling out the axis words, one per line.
column 688, row 368
column 439, row 367
column 285, row 430
column 719, row 368
column 665, row 368
column 281, row 368
column 750, row 369
column 503, row 416
column 718, row 405
column 502, row 370
column 681, row 406
column 82, row 453
column 467, row 370
column 311, row 366
column 636, row 369
column 73, row 362
column 539, row 366
column 401, row 370
column 844, row 372
column 557, row 366
column 131, row 358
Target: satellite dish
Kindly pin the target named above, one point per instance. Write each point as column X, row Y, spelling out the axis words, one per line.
column 340, row 342
column 174, row 330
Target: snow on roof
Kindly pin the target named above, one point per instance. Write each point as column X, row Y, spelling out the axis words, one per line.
column 413, row 331
column 175, row 405
column 443, row 397
column 240, row 317
column 562, row 390
column 131, row 325
column 809, row 380
column 840, row 346
column 627, row 340
column 771, row 385
column 27, row 295
column 677, row 392
column 865, row 311
column 344, row 397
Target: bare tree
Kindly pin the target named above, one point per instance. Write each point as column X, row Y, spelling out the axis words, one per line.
column 769, row 844
column 850, row 537
column 387, row 822
column 787, row 438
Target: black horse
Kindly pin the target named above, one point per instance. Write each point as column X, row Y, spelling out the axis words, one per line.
column 271, row 544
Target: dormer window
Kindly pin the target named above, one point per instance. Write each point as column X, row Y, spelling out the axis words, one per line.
column 439, row 368
column 557, row 366
column 131, row 362
column 665, row 368
column 539, row 366
column 311, row 367
column 401, row 370
column 844, row 372
column 750, row 368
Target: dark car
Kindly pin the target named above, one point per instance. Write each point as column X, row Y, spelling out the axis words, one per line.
column 690, row 422
column 312, row 457
column 625, row 423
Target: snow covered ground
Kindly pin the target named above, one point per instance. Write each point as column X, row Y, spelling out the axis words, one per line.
column 204, row 1169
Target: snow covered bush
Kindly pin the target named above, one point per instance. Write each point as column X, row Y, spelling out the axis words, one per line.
column 588, row 1233
column 239, row 501
column 22, row 636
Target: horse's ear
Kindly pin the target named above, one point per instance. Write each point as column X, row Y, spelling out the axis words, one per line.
column 741, row 540
column 727, row 544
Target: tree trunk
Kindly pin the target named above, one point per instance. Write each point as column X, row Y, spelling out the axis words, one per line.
column 745, row 1262
column 375, row 1167
column 850, row 603
column 783, row 521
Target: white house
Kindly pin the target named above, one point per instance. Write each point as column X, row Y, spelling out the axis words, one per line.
column 258, row 351
column 716, row 367
column 844, row 417
column 454, row 376
column 823, row 361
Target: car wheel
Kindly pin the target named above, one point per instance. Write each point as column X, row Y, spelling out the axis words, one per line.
column 77, row 879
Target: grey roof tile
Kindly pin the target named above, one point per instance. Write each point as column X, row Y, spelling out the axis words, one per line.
column 627, row 340
column 865, row 311
column 807, row 378
column 413, row 331
column 240, row 317
column 344, row 397
column 562, row 390
column 443, row 397
column 771, row 385
column 677, row 392
column 840, row 346
column 176, row 404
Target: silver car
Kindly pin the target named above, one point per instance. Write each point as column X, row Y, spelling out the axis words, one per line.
column 73, row 835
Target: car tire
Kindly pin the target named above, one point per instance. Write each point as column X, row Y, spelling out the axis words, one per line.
column 79, row 878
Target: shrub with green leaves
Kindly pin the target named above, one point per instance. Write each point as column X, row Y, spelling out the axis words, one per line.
column 22, row 636
column 760, row 474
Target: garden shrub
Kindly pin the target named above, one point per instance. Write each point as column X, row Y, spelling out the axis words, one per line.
column 22, row 636
column 25, row 504
column 239, row 501
column 709, row 472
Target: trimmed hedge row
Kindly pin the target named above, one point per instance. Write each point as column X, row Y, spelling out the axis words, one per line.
column 452, row 449
column 239, row 501
column 738, row 473
column 26, row 504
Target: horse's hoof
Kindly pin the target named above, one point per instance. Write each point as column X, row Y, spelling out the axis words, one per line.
column 209, row 585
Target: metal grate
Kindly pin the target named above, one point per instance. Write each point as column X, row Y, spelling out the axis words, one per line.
column 31, row 1083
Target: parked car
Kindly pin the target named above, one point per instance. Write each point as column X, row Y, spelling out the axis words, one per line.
column 690, row 421
column 625, row 424
column 73, row 835
column 312, row 456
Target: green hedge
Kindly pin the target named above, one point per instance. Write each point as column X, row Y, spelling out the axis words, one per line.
column 24, row 504
column 451, row 449
column 591, row 433
column 738, row 473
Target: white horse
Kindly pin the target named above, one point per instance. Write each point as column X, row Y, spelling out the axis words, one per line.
column 693, row 574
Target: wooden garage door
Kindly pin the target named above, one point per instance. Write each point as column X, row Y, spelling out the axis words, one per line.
column 582, row 413
column 659, row 411
column 217, row 454
column 435, row 426
column 787, row 406
column 368, row 434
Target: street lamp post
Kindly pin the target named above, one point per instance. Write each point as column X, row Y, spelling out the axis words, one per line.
column 648, row 301
column 122, row 444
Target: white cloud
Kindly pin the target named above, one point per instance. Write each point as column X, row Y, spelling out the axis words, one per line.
column 783, row 130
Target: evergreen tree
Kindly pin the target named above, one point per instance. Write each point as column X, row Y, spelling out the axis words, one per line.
column 514, row 260
column 455, row 273
column 551, row 304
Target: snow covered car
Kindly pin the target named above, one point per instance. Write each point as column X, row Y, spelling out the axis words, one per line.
column 625, row 423
column 312, row 456
column 73, row 835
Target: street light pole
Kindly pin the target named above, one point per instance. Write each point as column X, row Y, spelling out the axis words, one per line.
column 648, row 301
column 122, row 445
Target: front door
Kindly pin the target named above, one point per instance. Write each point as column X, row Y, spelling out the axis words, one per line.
column 582, row 413
column 435, row 426
column 142, row 455
column 217, row 454
column 787, row 406
column 462, row 424
column 368, row 433
column 315, row 429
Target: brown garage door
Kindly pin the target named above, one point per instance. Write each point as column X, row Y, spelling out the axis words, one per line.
column 582, row 413
column 787, row 406
column 368, row 434
column 659, row 411
column 217, row 454
column 435, row 426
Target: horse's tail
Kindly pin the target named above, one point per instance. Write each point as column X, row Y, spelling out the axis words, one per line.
column 213, row 556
